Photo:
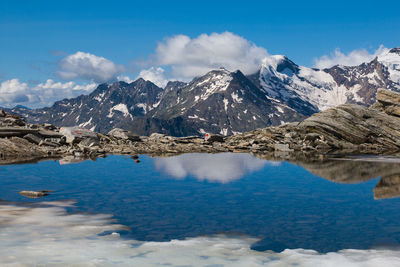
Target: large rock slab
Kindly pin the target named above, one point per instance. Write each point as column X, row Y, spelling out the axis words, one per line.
column 354, row 125
column 123, row 134
column 388, row 97
column 77, row 134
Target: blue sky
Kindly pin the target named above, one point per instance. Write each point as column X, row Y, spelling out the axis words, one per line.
column 36, row 35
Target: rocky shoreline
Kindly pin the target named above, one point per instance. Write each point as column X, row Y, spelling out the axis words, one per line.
column 345, row 129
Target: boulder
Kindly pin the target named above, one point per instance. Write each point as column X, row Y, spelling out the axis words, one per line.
column 156, row 136
column 33, row 138
column 390, row 102
column 50, row 134
column 49, row 126
column 47, row 143
column 60, row 141
column 123, row 134
column 77, row 134
column 89, row 142
column 282, row 148
column 388, row 97
column 213, row 138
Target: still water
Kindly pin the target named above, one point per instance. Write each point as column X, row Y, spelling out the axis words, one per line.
column 201, row 210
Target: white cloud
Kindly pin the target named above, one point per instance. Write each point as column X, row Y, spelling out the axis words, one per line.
column 14, row 92
column 193, row 57
column 125, row 78
column 88, row 67
column 222, row 168
column 354, row 58
column 155, row 75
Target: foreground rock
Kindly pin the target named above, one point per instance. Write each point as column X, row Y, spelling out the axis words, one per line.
column 346, row 129
column 343, row 129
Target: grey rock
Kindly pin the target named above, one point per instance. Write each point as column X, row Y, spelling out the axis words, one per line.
column 33, row 138
column 156, row 136
column 77, row 134
column 282, row 148
column 387, row 97
column 123, row 134
column 50, row 134
column 60, row 141
column 47, row 143
column 209, row 137
column 89, row 142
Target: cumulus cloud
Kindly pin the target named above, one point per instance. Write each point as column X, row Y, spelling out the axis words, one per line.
column 14, row 92
column 88, row 67
column 189, row 57
column 222, row 168
column 155, row 75
column 353, row 58
column 124, row 78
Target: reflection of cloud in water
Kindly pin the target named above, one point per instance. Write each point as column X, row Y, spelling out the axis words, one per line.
column 222, row 167
column 47, row 235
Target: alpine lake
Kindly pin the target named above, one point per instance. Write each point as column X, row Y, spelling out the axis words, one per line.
column 227, row 209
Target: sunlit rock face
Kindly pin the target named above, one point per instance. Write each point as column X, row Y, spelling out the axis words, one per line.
column 46, row 234
column 222, row 167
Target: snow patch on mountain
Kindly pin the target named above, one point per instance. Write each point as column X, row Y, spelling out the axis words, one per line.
column 121, row 108
column 391, row 59
column 217, row 81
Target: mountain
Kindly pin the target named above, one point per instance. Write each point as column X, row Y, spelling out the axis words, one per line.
column 107, row 107
column 222, row 101
column 309, row 90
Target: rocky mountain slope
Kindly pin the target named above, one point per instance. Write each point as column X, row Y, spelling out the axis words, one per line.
column 310, row 90
column 224, row 102
column 107, row 107
column 221, row 102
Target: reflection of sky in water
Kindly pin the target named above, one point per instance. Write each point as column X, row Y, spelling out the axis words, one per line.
column 46, row 234
column 223, row 167
column 283, row 205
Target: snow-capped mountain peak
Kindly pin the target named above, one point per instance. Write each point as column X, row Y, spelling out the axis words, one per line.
column 309, row 90
column 391, row 60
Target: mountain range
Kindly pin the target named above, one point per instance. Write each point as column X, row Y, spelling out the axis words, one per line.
column 224, row 102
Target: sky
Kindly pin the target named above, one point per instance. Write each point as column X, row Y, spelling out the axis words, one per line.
column 50, row 50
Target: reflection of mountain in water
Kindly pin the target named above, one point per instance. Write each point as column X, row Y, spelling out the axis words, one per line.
column 227, row 167
column 222, row 167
